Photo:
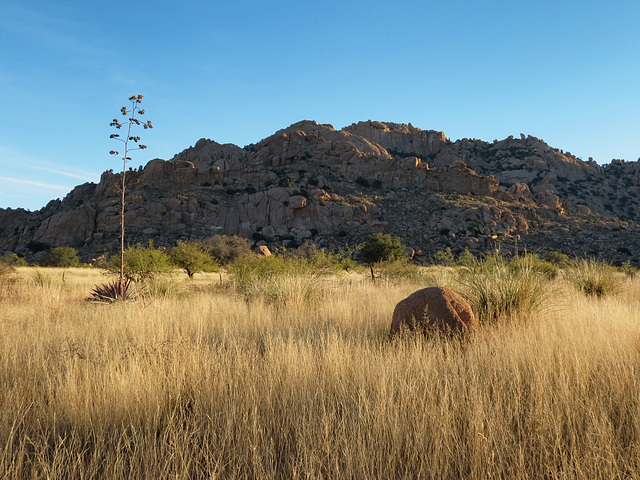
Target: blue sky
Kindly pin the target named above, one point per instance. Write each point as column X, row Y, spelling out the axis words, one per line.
column 235, row 72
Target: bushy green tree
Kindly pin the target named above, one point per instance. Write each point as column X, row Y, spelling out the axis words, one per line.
column 141, row 262
column 60, row 257
column 193, row 257
column 381, row 247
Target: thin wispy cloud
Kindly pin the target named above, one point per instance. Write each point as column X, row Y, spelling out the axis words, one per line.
column 11, row 195
column 13, row 158
column 60, row 172
column 49, row 186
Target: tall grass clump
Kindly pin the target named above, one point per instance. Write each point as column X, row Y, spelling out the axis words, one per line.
column 594, row 278
column 396, row 271
column 499, row 290
column 41, row 279
column 5, row 274
column 282, row 280
column 530, row 261
column 165, row 286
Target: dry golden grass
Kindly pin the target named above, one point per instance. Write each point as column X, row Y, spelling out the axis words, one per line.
column 213, row 386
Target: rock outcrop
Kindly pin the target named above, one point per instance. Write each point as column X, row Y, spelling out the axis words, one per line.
column 311, row 182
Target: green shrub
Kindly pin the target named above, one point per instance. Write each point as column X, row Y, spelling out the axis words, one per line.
column 226, row 248
column 16, row 260
column 60, row 257
column 284, row 279
column 141, row 262
column 445, row 257
column 193, row 257
column 394, row 270
column 288, row 291
column 496, row 291
column 556, row 258
column 308, row 258
column 532, row 261
column 466, row 258
column 381, row 247
column 246, row 270
column 593, row 278
column 628, row 269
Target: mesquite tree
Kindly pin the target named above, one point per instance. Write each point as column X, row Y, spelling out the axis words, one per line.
column 130, row 142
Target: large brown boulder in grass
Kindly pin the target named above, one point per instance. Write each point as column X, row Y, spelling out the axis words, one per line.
column 434, row 309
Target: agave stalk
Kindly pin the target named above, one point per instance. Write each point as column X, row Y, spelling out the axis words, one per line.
column 130, row 142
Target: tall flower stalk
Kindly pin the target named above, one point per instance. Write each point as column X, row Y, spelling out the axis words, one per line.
column 130, row 142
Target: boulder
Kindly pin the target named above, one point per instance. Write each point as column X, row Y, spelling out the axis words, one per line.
column 263, row 251
column 434, row 308
column 269, row 232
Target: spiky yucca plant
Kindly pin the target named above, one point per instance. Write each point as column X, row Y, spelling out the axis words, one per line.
column 114, row 291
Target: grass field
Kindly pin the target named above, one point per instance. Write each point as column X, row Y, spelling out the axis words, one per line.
column 210, row 384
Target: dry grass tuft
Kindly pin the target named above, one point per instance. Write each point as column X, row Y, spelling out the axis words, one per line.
column 212, row 385
column 594, row 278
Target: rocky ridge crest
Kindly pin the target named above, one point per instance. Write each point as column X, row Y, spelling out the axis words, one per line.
column 310, row 182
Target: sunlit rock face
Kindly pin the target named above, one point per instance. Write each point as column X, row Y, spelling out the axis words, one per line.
column 312, row 183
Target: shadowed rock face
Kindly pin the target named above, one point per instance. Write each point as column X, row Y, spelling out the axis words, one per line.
column 311, row 182
column 434, row 308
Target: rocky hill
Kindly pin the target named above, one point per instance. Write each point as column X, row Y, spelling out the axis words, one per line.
column 310, row 182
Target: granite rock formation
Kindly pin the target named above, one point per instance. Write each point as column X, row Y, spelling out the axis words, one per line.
column 311, row 182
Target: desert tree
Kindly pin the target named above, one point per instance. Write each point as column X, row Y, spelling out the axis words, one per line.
column 60, row 257
column 142, row 262
column 193, row 257
column 381, row 247
column 130, row 142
